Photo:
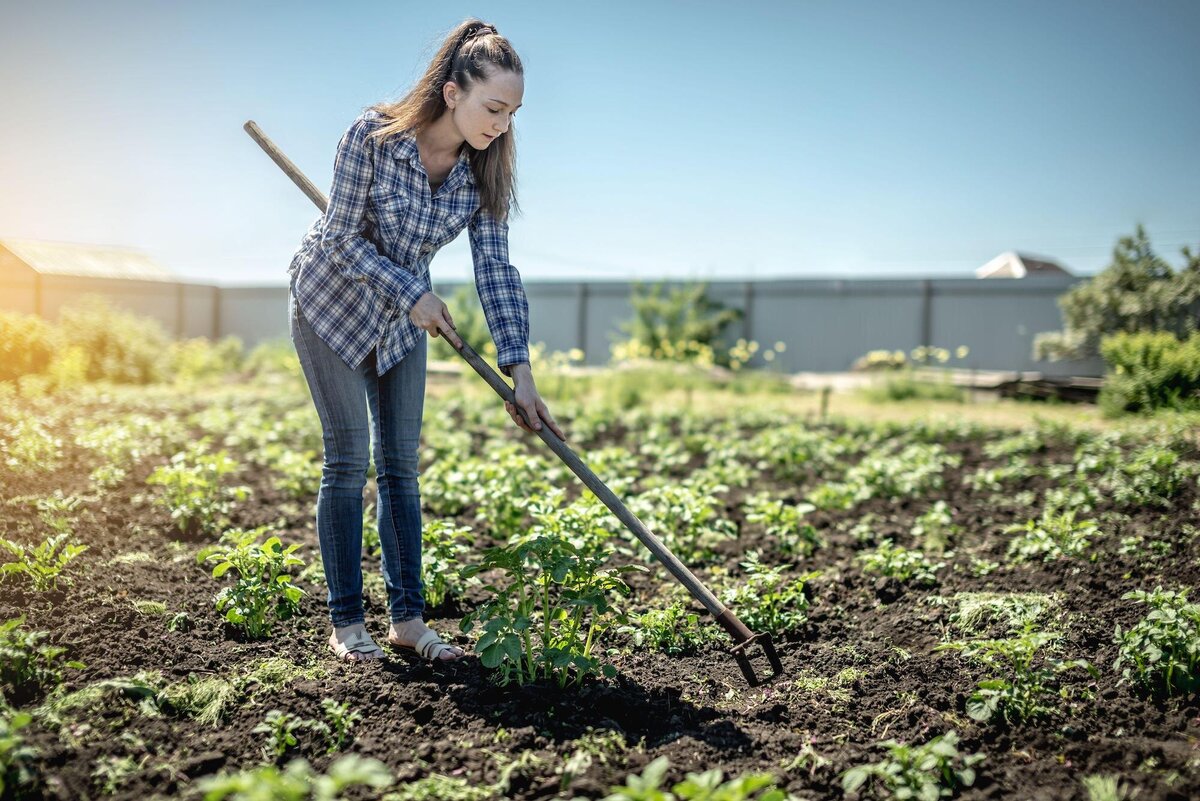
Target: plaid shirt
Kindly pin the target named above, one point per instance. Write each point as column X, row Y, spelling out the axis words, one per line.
column 362, row 266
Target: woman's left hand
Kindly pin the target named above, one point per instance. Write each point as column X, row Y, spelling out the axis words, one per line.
column 531, row 402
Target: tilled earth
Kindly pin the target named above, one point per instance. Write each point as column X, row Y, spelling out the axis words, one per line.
column 695, row 709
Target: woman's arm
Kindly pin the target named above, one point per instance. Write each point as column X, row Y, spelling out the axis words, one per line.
column 355, row 256
column 501, row 293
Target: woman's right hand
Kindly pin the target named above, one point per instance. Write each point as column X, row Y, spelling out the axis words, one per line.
column 430, row 313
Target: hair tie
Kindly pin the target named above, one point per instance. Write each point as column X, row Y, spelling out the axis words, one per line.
column 481, row 31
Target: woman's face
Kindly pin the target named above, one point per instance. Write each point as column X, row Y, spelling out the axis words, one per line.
column 485, row 113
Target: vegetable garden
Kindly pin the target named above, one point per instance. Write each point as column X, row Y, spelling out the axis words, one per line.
column 961, row 610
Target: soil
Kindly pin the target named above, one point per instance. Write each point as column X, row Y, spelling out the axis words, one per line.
column 696, row 709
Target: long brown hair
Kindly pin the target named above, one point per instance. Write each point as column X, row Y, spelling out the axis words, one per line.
column 467, row 55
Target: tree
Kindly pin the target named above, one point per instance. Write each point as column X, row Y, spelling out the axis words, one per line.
column 1138, row 291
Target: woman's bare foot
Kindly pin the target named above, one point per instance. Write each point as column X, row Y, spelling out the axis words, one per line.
column 406, row 634
column 353, row 644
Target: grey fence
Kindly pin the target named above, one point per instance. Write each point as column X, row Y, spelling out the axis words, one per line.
column 826, row 324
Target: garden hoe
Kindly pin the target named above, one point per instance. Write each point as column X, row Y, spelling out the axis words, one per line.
column 742, row 637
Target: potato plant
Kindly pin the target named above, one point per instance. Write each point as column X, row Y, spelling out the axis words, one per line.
column 263, row 590
column 42, row 566
column 1161, row 652
column 545, row 611
column 1024, row 692
column 194, row 489
column 923, row 772
column 766, row 599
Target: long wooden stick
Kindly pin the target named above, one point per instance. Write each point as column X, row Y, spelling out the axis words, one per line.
column 736, row 629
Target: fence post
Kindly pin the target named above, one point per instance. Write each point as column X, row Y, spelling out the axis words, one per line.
column 581, row 319
column 926, row 312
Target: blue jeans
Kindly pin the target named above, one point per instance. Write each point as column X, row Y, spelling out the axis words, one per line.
column 395, row 401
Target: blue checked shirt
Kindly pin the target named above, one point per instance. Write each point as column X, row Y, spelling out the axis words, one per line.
column 362, row 266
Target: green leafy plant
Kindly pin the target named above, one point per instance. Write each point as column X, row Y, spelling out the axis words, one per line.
column 339, row 720
column 785, row 522
column 42, row 565
column 1053, row 536
column 677, row 324
column 280, row 730
column 1161, row 652
column 706, row 786
column 935, row 528
column 924, row 772
column 900, row 563
column 1023, row 693
column 194, row 492
column 263, row 586
column 16, row 756
column 673, row 629
column 445, row 544
column 543, row 617
column 766, row 599
column 1150, row 370
column 297, row 781
column 686, row 519
column 26, row 662
column 110, row 773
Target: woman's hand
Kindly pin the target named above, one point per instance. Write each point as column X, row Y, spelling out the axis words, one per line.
column 527, row 398
column 430, row 313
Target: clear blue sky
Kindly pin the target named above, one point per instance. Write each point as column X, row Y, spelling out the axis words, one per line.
column 682, row 139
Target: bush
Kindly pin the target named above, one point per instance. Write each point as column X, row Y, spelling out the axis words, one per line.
column 26, row 345
column 1138, row 291
column 120, row 346
column 683, row 324
column 1150, row 371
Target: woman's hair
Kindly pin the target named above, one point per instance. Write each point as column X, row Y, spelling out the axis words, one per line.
column 466, row 56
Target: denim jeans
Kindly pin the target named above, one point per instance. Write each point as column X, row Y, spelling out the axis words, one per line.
column 395, row 401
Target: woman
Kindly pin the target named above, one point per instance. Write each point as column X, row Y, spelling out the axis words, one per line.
column 408, row 177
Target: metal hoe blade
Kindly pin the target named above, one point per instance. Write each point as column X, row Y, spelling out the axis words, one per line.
column 742, row 637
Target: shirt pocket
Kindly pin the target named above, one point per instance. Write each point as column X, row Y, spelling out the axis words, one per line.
column 391, row 212
column 452, row 224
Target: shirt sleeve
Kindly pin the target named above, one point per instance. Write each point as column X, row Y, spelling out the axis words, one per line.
column 501, row 293
column 355, row 256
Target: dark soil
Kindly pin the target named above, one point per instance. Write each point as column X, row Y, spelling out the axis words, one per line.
column 870, row 641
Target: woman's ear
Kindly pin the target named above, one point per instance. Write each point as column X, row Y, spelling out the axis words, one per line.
column 450, row 93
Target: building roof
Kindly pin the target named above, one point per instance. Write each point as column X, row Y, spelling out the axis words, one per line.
column 1012, row 264
column 99, row 261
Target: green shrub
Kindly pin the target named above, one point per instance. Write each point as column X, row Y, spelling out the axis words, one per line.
column 1137, row 291
column 120, row 346
column 1150, row 370
column 26, row 345
column 677, row 324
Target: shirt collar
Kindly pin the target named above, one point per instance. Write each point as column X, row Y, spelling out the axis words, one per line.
column 404, row 147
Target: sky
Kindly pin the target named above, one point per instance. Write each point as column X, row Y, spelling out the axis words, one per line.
column 687, row 140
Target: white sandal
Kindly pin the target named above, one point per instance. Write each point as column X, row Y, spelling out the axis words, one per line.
column 429, row 646
column 357, row 643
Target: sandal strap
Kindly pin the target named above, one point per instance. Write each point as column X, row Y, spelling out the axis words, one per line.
column 358, row 643
column 426, row 644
